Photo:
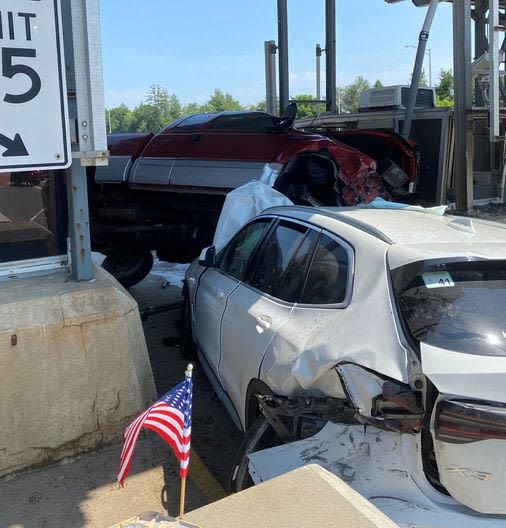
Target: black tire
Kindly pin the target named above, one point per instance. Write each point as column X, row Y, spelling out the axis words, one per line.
column 259, row 436
column 188, row 348
column 130, row 265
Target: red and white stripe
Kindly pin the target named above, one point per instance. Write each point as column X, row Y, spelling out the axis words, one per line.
column 169, row 424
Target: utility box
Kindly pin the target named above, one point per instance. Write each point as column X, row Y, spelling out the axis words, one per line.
column 395, row 98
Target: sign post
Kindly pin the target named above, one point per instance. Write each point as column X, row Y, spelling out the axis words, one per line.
column 34, row 131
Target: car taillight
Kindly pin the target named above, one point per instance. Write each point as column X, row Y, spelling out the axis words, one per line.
column 461, row 422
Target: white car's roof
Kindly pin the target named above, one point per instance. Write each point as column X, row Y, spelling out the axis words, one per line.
column 413, row 235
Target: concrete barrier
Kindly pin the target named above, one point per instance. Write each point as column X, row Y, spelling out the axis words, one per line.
column 74, row 367
column 308, row 496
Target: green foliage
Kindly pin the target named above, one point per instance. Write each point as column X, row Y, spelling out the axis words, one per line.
column 119, row 119
column 191, row 108
column 258, row 107
column 446, row 101
column 161, row 108
column 221, row 102
column 378, row 84
column 423, row 80
column 351, row 93
column 307, row 109
column 444, row 88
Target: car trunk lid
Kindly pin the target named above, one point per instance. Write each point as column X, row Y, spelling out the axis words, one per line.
column 468, row 426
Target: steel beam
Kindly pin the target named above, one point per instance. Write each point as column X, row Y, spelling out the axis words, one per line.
column 463, row 105
column 318, row 71
column 284, row 92
column 494, row 94
column 79, row 222
column 81, row 24
column 417, row 68
column 270, row 76
column 330, row 54
column 480, row 42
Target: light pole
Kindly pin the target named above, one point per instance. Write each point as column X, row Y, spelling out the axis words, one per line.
column 428, row 52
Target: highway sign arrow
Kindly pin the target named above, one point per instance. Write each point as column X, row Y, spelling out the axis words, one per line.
column 14, row 147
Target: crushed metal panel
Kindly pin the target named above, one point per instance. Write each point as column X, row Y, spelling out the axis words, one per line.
column 384, row 467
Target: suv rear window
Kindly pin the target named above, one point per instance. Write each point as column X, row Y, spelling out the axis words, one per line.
column 455, row 305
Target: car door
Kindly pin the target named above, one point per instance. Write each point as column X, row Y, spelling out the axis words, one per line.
column 255, row 310
column 216, row 284
column 306, row 348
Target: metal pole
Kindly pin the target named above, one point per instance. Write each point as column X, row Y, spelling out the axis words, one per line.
column 270, row 76
column 330, row 51
column 79, row 222
column 417, row 69
column 318, row 80
column 87, row 110
column 430, row 68
column 480, row 43
column 463, row 105
column 494, row 95
column 284, row 96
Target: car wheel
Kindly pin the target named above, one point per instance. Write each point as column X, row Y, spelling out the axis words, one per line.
column 129, row 266
column 188, row 349
column 259, row 436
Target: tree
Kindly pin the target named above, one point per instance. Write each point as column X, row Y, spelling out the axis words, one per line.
column 351, row 93
column 221, row 102
column 258, row 107
column 146, row 118
column 119, row 119
column 191, row 108
column 423, row 80
column 444, row 88
column 307, row 110
column 164, row 108
column 378, row 84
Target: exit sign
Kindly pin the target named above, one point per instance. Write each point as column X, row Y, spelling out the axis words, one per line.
column 33, row 97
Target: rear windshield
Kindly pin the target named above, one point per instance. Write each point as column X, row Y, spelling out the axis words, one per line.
column 248, row 122
column 457, row 306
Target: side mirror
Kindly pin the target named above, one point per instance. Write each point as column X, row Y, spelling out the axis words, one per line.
column 207, row 257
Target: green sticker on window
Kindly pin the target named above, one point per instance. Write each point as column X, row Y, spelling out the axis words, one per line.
column 438, row 279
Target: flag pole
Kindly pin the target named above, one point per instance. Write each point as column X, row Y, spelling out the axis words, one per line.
column 188, row 373
column 183, row 493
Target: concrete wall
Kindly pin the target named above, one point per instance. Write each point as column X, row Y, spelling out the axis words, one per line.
column 74, row 367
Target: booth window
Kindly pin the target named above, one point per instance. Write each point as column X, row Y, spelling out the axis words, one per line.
column 33, row 215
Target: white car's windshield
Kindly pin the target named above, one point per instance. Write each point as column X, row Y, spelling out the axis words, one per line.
column 458, row 306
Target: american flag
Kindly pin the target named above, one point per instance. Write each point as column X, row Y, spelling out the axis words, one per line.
column 171, row 418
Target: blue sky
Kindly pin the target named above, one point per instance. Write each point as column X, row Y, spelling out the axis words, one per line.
column 192, row 47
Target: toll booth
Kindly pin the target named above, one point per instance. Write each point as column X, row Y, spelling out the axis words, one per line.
column 433, row 129
column 74, row 367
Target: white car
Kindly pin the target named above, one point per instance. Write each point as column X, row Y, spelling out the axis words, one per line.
column 390, row 319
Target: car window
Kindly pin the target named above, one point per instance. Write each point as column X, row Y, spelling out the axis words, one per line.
column 328, row 274
column 190, row 123
column 275, row 256
column 249, row 122
column 237, row 254
column 295, row 276
column 455, row 305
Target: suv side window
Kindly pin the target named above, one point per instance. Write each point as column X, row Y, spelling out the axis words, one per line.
column 237, row 254
column 293, row 281
column 275, row 256
column 328, row 274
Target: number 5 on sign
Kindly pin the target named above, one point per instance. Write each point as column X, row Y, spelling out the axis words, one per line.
column 33, row 96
